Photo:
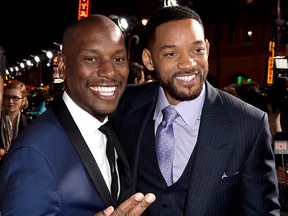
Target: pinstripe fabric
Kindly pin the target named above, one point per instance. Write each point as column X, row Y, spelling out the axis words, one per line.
column 233, row 171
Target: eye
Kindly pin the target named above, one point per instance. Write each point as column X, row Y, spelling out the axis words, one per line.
column 90, row 59
column 119, row 59
column 200, row 50
column 170, row 54
column 15, row 98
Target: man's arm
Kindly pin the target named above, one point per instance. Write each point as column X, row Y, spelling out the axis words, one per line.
column 134, row 206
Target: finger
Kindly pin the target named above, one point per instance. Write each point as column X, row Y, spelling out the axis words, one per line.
column 135, row 205
column 123, row 208
column 129, row 204
column 143, row 205
column 107, row 212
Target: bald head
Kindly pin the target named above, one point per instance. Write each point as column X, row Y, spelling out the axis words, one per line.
column 86, row 27
column 94, row 64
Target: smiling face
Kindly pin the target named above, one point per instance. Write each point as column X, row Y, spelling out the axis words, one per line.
column 94, row 65
column 13, row 106
column 179, row 56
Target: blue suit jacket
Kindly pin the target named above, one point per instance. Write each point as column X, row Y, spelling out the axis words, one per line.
column 233, row 170
column 45, row 173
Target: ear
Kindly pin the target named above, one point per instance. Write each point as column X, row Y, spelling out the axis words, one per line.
column 207, row 46
column 147, row 59
column 61, row 65
column 136, row 80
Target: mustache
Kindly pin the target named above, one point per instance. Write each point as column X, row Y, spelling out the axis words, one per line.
column 186, row 71
column 104, row 81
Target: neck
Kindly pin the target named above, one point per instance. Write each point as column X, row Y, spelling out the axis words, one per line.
column 13, row 117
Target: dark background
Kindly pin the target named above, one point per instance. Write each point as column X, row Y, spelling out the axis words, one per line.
column 28, row 26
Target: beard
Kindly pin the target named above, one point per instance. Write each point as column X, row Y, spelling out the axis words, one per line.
column 190, row 92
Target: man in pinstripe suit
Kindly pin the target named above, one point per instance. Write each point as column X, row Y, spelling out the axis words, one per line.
column 223, row 163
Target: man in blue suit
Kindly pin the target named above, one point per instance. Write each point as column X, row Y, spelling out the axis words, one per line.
column 58, row 166
column 223, row 163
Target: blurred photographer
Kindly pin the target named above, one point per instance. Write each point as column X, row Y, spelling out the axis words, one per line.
column 274, row 101
column 251, row 93
column 277, row 107
column 277, row 104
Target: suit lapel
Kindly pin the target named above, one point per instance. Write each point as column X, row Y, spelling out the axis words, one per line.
column 66, row 120
column 145, row 111
column 211, row 153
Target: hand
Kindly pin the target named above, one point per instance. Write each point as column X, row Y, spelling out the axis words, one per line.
column 2, row 153
column 282, row 174
column 134, row 206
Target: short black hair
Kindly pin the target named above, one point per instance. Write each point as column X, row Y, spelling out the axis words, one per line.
column 3, row 62
column 167, row 14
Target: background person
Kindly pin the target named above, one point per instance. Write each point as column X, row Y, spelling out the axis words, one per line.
column 136, row 73
column 58, row 165
column 3, row 62
column 223, row 162
column 251, row 93
column 273, row 101
column 39, row 101
column 13, row 120
column 277, row 107
column 2, row 75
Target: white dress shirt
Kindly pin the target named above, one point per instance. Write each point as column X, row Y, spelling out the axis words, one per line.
column 96, row 140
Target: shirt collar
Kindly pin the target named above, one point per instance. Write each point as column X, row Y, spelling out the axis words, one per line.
column 188, row 110
column 83, row 119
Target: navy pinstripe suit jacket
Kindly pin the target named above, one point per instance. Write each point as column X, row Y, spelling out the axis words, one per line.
column 234, row 168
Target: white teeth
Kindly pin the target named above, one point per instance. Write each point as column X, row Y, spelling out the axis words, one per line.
column 105, row 91
column 186, row 78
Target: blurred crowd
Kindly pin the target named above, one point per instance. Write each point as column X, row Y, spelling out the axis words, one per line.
column 272, row 99
column 19, row 108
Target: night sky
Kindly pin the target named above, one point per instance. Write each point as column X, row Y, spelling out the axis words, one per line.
column 29, row 26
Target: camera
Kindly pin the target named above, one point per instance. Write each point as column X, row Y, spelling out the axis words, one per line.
column 277, row 93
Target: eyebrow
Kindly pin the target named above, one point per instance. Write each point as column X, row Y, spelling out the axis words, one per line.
column 167, row 46
column 11, row 95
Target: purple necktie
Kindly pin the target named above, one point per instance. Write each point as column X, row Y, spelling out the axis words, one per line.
column 165, row 143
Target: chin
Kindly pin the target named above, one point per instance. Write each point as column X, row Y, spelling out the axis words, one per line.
column 108, row 109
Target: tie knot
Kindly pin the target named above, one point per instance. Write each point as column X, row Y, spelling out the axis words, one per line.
column 105, row 129
column 169, row 114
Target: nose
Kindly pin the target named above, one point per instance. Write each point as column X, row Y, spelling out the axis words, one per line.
column 106, row 69
column 186, row 62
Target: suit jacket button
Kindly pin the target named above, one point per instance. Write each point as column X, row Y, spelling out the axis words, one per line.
column 164, row 205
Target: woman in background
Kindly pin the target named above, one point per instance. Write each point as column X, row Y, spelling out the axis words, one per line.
column 12, row 119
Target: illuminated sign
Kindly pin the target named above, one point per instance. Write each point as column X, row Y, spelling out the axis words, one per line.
column 83, row 9
column 280, row 147
column 271, row 62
